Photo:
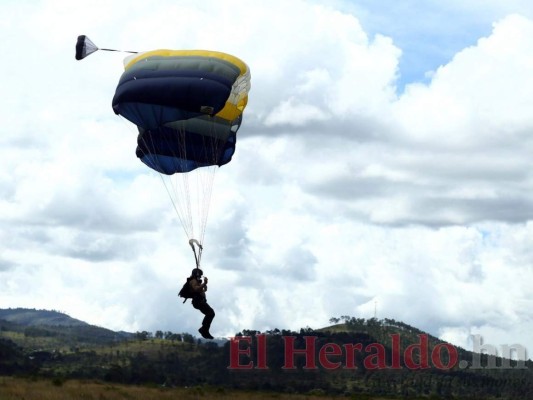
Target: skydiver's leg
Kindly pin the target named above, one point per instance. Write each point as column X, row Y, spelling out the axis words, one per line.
column 209, row 314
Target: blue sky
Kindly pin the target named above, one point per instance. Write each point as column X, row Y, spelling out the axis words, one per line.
column 430, row 33
column 385, row 156
column 429, row 37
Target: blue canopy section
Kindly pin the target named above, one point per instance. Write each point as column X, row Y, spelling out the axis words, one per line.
column 151, row 98
column 170, row 151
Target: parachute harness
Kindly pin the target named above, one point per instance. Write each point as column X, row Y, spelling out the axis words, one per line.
column 197, row 256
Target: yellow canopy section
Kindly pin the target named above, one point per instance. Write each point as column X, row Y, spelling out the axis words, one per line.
column 129, row 61
column 239, row 95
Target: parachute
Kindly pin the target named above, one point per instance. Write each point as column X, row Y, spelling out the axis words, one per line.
column 187, row 106
column 85, row 47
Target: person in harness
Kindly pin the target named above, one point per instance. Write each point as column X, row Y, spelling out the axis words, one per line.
column 196, row 291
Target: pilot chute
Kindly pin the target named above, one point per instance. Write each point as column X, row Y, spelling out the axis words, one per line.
column 85, row 47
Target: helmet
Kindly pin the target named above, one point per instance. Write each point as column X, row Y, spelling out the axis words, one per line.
column 197, row 273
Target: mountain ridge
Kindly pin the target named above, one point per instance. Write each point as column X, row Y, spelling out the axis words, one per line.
column 35, row 317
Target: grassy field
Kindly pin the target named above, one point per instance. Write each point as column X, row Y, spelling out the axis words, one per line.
column 26, row 389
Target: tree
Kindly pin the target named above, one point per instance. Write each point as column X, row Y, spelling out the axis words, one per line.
column 188, row 338
column 144, row 335
column 168, row 334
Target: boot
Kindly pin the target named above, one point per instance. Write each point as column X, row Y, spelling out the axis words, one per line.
column 204, row 331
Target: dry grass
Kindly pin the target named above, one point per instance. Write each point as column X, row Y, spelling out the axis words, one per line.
column 24, row 389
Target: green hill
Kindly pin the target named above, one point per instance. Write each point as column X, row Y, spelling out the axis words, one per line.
column 353, row 357
column 52, row 330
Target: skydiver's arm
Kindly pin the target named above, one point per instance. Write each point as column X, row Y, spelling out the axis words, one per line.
column 198, row 287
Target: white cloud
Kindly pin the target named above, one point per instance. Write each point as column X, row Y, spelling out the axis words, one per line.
column 480, row 98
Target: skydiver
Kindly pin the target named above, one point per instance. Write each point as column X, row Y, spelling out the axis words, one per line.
column 199, row 301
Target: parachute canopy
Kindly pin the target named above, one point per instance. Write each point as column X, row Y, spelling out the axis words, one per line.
column 187, row 105
column 84, row 47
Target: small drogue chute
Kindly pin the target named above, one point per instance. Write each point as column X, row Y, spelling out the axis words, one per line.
column 85, row 47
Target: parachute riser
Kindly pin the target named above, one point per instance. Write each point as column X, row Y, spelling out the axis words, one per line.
column 197, row 255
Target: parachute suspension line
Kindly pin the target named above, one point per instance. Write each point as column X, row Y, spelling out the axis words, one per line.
column 120, row 51
column 189, row 193
column 203, row 196
column 178, row 189
column 167, row 182
column 207, row 184
column 172, row 192
column 197, row 185
column 185, row 191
